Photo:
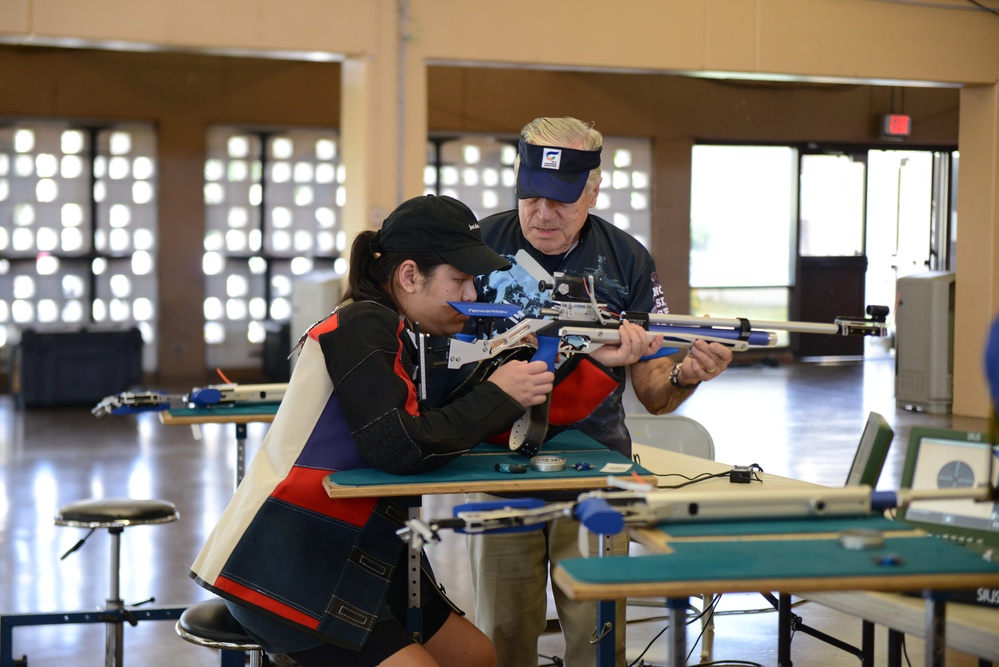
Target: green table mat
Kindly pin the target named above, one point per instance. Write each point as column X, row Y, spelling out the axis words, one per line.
column 241, row 410
column 781, row 559
column 478, row 465
column 824, row 524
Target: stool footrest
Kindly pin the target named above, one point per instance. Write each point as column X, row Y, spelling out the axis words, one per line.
column 95, row 616
column 10, row 621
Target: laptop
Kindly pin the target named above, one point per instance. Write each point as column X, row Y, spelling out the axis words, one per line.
column 938, row 459
column 871, row 453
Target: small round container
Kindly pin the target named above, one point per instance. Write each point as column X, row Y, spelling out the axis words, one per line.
column 856, row 540
column 548, row 463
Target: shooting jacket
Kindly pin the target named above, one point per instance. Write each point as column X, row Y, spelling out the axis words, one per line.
column 283, row 547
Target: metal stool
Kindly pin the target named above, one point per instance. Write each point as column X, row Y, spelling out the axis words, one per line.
column 114, row 514
column 210, row 624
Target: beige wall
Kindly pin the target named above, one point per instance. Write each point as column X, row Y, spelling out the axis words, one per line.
column 606, row 61
column 676, row 112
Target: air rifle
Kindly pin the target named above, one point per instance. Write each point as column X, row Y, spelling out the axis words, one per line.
column 576, row 323
column 609, row 512
column 216, row 395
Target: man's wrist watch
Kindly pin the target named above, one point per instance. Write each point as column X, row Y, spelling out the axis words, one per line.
column 674, row 378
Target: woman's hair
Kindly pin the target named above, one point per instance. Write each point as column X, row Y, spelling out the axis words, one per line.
column 563, row 132
column 369, row 277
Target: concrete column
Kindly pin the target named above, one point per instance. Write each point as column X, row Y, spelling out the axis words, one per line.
column 369, row 131
column 671, row 219
column 977, row 271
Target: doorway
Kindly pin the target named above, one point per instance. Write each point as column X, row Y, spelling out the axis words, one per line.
column 831, row 258
column 846, row 224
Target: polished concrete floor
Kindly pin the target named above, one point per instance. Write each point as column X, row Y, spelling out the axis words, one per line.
column 800, row 420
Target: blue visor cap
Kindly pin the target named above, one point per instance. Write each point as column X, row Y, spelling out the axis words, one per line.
column 555, row 173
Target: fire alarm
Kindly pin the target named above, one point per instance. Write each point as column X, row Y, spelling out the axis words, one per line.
column 895, row 126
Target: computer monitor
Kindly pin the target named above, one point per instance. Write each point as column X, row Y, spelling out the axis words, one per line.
column 870, row 456
column 938, row 459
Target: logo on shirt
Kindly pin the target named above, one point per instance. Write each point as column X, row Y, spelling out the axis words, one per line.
column 551, row 159
column 658, row 298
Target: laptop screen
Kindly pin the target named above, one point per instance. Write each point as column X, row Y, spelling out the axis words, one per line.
column 871, row 452
column 938, row 459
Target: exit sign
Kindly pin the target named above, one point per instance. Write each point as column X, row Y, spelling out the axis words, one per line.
column 896, row 126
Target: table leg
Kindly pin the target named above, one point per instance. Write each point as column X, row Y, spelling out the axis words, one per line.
column 707, row 627
column 414, row 610
column 677, row 631
column 240, row 452
column 603, row 634
column 895, row 647
column 935, row 628
column 867, row 643
column 784, row 630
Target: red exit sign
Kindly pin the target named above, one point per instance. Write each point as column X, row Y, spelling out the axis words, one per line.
column 896, row 125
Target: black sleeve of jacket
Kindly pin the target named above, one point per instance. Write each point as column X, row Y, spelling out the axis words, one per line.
column 369, row 359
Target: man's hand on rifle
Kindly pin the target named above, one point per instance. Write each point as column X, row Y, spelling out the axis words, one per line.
column 704, row 361
column 635, row 343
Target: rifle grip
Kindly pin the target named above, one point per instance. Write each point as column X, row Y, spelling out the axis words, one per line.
column 547, row 351
column 206, row 397
column 599, row 517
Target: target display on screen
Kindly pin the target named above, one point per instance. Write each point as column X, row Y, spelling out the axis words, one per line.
column 956, row 475
column 941, row 459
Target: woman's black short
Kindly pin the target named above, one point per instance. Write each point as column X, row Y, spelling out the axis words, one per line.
column 389, row 635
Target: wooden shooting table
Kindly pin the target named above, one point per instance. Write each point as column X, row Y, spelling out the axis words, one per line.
column 475, row 472
column 693, row 558
column 240, row 415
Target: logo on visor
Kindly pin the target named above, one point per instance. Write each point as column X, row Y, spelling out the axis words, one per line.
column 551, row 159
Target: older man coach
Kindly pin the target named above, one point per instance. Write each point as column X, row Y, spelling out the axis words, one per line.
column 558, row 180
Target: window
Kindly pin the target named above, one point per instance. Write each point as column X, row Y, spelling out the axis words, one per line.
column 832, row 206
column 273, row 201
column 742, row 213
column 477, row 170
column 78, row 228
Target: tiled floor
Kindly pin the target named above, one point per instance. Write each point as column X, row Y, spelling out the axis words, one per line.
column 801, row 420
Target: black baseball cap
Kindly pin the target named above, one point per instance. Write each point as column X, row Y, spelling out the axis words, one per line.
column 442, row 225
column 552, row 172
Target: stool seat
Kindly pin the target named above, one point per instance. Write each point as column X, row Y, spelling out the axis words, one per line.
column 115, row 512
column 210, row 624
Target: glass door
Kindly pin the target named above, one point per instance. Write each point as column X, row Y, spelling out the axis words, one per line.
column 908, row 211
column 742, row 213
column 831, row 249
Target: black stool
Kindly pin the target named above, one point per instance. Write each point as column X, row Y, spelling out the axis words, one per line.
column 114, row 514
column 210, row 624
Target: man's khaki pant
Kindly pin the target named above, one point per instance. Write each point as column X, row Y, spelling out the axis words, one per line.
column 509, row 583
